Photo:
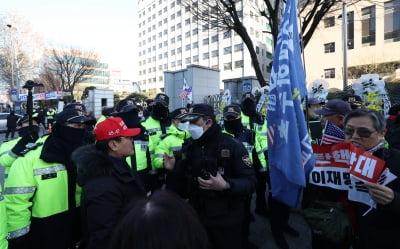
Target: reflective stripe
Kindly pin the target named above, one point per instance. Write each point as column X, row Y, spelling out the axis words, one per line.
column 262, row 134
column 158, row 156
column 1, row 196
column 4, row 152
column 12, row 154
column 48, row 170
column 260, row 152
column 19, row 190
column 141, row 142
column 176, row 148
column 19, row 232
column 153, row 130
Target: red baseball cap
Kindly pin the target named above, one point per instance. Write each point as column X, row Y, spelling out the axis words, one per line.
column 113, row 127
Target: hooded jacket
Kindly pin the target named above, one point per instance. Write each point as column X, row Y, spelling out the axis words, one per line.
column 108, row 186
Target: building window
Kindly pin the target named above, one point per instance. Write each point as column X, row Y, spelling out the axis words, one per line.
column 227, row 34
column 239, row 64
column 173, row 52
column 173, row 64
column 215, row 67
column 329, row 73
column 187, row 47
column 160, row 45
column 187, row 34
column 172, row 16
column 206, row 55
column 257, row 50
column 228, row 66
column 329, row 47
column 187, row 21
column 179, row 25
column 206, row 41
column 214, row 38
column 179, row 50
column 172, row 40
column 214, row 53
column 160, row 56
column 392, row 20
column 179, row 37
column 179, row 62
column 179, row 13
column 205, row 27
column 195, row 31
column 368, row 25
column 196, row 58
column 188, row 60
column 350, row 30
column 172, row 28
column 228, row 50
column 195, row 44
column 329, row 22
column 239, row 47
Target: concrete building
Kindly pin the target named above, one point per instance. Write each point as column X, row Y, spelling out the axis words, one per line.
column 171, row 38
column 373, row 38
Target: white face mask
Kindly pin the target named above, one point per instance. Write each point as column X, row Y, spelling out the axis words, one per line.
column 195, row 131
column 184, row 126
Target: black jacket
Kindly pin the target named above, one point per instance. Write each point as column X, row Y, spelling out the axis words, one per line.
column 218, row 152
column 380, row 228
column 109, row 185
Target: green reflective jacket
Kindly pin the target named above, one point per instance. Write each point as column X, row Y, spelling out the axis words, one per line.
column 3, row 216
column 31, row 183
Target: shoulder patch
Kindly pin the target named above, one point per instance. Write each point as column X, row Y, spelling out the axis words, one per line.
column 225, row 153
column 246, row 160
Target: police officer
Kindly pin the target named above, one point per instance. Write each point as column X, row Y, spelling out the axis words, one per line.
column 172, row 144
column 41, row 195
column 140, row 161
column 157, row 125
column 3, row 216
column 50, row 114
column 220, row 177
column 233, row 125
column 255, row 122
column 10, row 150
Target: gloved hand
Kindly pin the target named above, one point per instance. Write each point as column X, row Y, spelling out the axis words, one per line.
column 31, row 137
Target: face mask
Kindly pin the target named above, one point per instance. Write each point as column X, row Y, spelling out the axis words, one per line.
column 233, row 126
column 183, row 126
column 195, row 131
column 25, row 130
column 72, row 136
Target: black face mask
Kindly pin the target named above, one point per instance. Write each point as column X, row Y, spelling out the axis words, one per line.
column 233, row 126
column 25, row 130
column 71, row 136
column 131, row 119
column 249, row 108
column 160, row 112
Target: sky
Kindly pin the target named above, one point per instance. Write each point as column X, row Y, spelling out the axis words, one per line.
column 107, row 27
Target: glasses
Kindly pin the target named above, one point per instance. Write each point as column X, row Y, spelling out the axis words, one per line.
column 362, row 132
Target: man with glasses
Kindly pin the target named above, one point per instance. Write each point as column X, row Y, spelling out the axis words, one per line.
column 41, row 195
column 219, row 176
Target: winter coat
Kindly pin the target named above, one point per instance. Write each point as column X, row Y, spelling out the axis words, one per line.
column 108, row 186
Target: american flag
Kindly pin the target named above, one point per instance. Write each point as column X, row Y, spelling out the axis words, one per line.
column 332, row 134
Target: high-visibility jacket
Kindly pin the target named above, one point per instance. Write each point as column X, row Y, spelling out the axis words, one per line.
column 153, row 128
column 171, row 144
column 261, row 142
column 3, row 216
column 7, row 157
column 51, row 114
column 37, row 195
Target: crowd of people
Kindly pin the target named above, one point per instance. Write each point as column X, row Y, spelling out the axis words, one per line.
column 156, row 178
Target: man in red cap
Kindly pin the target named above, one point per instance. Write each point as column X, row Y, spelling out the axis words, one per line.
column 108, row 183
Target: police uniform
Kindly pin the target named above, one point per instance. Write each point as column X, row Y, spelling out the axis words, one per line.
column 3, row 216
column 222, row 212
column 41, row 195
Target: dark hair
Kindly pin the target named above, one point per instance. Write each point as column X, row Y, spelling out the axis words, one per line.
column 102, row 145
column 163, row 221
column 378, row 120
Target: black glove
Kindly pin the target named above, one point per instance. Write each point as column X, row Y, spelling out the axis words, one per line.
column 31, row 137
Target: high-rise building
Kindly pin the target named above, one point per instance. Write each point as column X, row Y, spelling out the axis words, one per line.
column 373, row 43
column 170, row 38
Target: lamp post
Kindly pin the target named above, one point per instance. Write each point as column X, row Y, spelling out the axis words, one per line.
column 12, row 56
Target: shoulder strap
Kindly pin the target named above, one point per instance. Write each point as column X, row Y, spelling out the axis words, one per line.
column 2, row 177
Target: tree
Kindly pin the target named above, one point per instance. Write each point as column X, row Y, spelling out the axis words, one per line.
column 85, row 93
column 49, row 79
column 226, row 16
column 21, row 50
column 71, row 66
column 139, row 98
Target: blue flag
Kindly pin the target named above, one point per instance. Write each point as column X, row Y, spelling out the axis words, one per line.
column 290, row 155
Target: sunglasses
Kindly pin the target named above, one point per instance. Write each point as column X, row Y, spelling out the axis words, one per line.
column 362, row 132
